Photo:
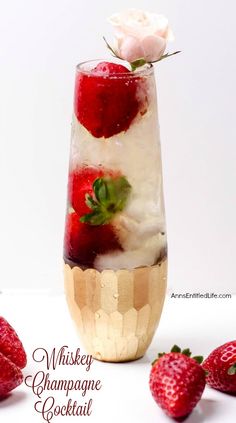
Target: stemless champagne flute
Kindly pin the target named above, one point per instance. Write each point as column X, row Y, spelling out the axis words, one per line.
column 115, row 238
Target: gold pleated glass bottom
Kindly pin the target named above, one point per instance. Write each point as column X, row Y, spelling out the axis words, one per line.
column 116, row 312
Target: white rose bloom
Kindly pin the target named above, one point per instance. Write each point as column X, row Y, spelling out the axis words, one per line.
column 140, row 34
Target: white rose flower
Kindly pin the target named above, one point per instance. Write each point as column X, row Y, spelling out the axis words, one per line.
column 140, row 34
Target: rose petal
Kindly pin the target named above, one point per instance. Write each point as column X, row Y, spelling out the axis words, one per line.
column 138, row 23
column 159, row 24
column 130, row 49
column 170, row 35
column 153, row 47
column 141, row 34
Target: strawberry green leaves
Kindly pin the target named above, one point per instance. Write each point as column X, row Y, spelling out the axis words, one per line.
column 175, row 348
column 110, row 197
column 186, row 351
column 198, row 358
column 232, row 370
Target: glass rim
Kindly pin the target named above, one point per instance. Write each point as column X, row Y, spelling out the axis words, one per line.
column 144, row 70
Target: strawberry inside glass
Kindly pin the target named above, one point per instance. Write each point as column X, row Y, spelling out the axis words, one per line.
column 115, row 214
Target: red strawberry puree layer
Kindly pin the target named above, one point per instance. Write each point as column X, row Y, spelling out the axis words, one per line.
column 106, row 100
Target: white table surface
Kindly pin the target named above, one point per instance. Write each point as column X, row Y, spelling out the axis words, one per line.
column 42, row 320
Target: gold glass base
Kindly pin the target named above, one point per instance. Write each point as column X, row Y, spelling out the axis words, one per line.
column 116, row 312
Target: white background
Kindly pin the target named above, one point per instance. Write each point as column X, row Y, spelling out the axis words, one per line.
column 125, row 395
column 40, row 44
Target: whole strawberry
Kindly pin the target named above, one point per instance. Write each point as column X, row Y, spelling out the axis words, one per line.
column 10, row 376
column 177, row 382
column 107, row 100
column 83, row 242
column 12, row 358
column 96, row 196
column 99, row 191
column 10, row 344
column 81, row 183
column 221, row 368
